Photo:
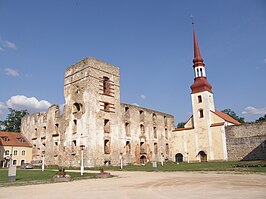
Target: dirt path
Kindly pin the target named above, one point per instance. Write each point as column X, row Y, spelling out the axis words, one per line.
column 148, row 185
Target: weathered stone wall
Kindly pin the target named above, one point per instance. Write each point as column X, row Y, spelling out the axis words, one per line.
column 246, row 141
column 94, row 121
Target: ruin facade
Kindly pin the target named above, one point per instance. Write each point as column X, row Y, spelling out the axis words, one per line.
column 97, row 124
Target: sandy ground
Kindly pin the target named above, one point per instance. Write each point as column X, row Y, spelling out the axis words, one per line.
column 148, row 185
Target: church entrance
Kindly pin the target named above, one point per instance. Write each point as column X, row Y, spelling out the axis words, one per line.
column 203, row 156
column 179, row 157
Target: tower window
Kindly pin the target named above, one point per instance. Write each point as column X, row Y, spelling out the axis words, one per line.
column 201, row 74
column 76, row 107
column 106, row 106
column 199, row 99
column 106, row 86
column 106, row 126
column 201, row 115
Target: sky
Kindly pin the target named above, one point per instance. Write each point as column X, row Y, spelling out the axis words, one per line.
column 149, row 40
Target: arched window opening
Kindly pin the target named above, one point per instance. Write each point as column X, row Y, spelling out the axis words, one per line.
column 76, row 107
column 179, row 157
column 203, row 156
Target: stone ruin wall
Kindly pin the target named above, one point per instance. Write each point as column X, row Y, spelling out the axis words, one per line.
column 147, row 134
column 246, row 141
column 59, row 137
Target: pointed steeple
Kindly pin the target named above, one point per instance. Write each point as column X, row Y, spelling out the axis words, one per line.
column 198, row 61
column 200, row 82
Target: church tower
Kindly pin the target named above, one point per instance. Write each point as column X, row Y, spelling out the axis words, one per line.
column 202, row 105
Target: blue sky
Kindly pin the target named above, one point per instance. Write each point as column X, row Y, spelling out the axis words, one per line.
column 150, row 41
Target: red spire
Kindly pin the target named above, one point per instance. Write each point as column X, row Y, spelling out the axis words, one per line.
column 198, row 61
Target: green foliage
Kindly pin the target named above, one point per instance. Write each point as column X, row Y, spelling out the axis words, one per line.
column 13, row 121
column 261, row 118
column 231, row 113
column 181, row 125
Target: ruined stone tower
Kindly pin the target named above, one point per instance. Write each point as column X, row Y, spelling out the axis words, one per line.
column 96, row 124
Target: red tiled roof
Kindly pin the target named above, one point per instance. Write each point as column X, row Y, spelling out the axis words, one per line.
column 13, row 139
column 226, row 117
column 217, row 124
column 181, row 129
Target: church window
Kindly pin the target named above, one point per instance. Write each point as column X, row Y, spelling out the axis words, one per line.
column 15, row 152
column 23, row 153
column 201, row 74
column 199, row 99
column 197, row 72
column 201, row 115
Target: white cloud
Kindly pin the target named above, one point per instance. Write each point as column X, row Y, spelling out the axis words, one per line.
column 254, row 111
column 11, row 72
column 143, row 96
column 32, row 104
column 2, row 107
column 135, row 104
column 7, row 44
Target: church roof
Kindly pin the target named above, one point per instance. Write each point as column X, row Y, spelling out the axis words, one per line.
column 13, row 139
column 226, row 117
column 198, row 61
column 201, row 84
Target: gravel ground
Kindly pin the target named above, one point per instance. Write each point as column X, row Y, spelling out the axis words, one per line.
column 148, row 185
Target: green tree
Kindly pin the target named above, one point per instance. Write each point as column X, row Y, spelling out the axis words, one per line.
column 261, row 118
column 13, row 121
column 231, row 113
column 181, row 125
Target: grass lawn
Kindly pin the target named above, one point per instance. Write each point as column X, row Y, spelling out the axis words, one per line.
column 28, row 176
column 200, row 166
